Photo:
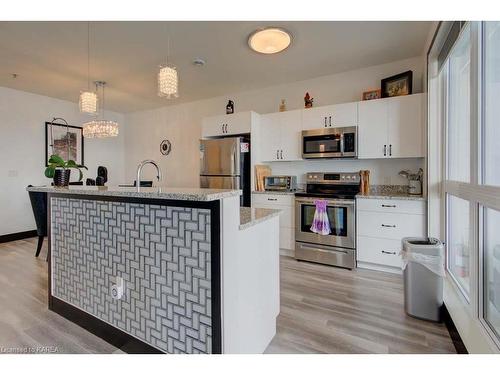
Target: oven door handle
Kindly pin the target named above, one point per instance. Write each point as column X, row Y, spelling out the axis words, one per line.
column 328, row 201
column 323, row 248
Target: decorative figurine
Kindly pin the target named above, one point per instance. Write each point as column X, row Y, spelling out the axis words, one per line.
column 308, row 101
column 230, row 107
column 282, row 105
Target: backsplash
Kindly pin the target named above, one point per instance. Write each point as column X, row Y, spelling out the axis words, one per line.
column 382, row 171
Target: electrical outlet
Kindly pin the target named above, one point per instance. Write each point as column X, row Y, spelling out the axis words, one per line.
column 118, row 288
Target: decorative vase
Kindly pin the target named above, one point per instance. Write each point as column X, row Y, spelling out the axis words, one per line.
column 61, row 177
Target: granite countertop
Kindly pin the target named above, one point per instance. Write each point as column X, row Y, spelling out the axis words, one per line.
column 161, row 192
column 278, row 192
column 390, row 192
column 250, row 216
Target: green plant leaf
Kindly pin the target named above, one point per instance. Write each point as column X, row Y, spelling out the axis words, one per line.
column 71, row 164
column 81, row 175
column 56, row 159
column 50, row 172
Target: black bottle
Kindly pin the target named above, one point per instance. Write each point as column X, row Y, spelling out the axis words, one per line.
column 230, row 107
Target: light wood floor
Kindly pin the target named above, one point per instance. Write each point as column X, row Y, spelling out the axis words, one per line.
column 323, row 310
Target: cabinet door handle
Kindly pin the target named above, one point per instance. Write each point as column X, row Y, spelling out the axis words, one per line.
column 330, row 120
column 385, row 150
column 389, row 205
column 222, row 126
column 389, row 252
column 325, row 121
column 388, row 226
column 226, row 128
column 281, row 154
column 390, row 150
column 272, row 199
column 277, row 154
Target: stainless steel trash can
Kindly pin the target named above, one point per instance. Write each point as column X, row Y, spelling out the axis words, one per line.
column 423, row 260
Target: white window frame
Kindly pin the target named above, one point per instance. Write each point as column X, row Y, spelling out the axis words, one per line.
column 475, row 192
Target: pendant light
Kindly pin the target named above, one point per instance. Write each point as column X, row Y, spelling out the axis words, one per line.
column 100, row 128
column 168, row 79
column 88, row 99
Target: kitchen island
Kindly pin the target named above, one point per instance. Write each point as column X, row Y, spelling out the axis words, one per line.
column 164, row 270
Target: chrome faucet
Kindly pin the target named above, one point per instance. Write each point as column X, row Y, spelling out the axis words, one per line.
column 139, row 170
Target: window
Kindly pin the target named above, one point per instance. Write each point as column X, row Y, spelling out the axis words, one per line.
column 458, row 161
column 468, row 103
column 458, row 260
column 491, row 87
column 491, row 269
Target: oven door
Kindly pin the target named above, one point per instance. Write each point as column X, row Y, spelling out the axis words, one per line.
column 322, row 143
column 341, row 218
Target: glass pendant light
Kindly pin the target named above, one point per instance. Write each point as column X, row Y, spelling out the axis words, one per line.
column 100, row 128
column 88, row 99
column 168, row 79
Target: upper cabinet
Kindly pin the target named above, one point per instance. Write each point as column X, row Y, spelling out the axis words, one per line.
column 391, row 127
column 330, row 116
column 236, row 123
column 280, row 136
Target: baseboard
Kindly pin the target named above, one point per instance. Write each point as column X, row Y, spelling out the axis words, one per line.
column 18, row 236
column 105, row 331
column 377, row 267
column 287, row 252
column 452, row 329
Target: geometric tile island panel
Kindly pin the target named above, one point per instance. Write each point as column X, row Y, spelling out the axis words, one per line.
column 162, row 253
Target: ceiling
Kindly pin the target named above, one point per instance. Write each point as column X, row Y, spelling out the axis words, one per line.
column 50, row 58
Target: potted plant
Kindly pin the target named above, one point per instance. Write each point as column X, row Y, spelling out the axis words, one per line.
column 60, row 170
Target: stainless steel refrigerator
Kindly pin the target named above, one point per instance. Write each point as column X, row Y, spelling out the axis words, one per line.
column 225, row 164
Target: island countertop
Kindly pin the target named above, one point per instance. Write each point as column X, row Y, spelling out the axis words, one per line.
column 250, row 216
column 160, row 192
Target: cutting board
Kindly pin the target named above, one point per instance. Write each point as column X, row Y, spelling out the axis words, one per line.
column 261, row 171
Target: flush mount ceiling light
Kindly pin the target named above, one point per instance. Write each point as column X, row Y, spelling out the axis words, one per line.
column 100, row 128
column 88, row 99
column 269, row 40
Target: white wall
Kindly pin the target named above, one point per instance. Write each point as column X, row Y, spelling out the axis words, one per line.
column 181, row 124
column 22, row 151
column 382, row 172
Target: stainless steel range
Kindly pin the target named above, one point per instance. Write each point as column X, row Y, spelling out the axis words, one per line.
column 339, row 247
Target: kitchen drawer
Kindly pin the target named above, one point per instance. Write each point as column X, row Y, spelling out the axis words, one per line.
column 390, row 225
column 391, row 205
column 280, row 199
column 287, row 238
column 379, row 251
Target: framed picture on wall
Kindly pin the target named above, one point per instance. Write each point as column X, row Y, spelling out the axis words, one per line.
column 400, row 84
column 64, row 141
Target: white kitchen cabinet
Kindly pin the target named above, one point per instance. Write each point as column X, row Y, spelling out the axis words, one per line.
column 236, row 123
column 372, row 129
column 285, row 203
column 391, row 127
column 380, row 225
column 405, row 126
column 330, row 116
column 280, row 136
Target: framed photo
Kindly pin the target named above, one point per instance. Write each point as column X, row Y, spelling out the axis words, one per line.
column 372, row 94
column 65, row 141
column 400, row 84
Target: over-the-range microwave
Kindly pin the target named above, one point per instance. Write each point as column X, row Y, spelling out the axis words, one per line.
column 330, row 143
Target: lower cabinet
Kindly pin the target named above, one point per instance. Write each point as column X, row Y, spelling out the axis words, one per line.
column 285, row 203
column 381, row 224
